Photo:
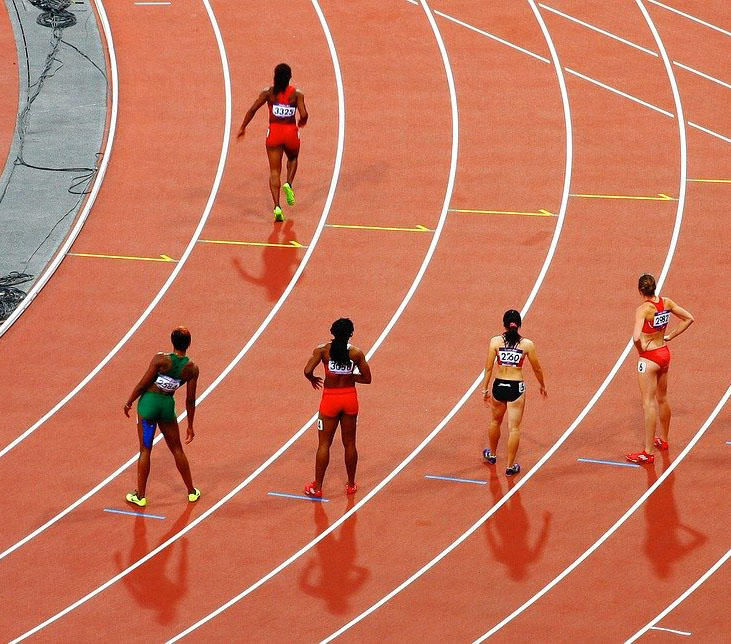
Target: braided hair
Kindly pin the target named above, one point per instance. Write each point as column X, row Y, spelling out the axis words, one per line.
column 282, row 76
column 647, row 285
column 511, row 322
column 341, row 329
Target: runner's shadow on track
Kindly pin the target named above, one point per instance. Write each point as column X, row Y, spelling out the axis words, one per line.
column 339, row 576
column 507, row 532
column 667, row 540
column 279, row 264
column 149, row 585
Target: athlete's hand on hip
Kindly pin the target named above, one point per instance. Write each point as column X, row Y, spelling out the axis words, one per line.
column 316, row 382
column 667, row 338
column 127, row 407
column 543, row 391
column 189, row 435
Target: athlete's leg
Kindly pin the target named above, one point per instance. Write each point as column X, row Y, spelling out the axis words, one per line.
column 145, row 431
column 171, row 432
column 326, row 432
column 647, row 376
column 275, row 171
column 292, row 157
column 662, row 404
column 348, row 424
column 515, row 415
column 493, row 433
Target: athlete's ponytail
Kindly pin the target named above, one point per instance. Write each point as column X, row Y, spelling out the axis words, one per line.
column 282, row 76
column 511, row 322
column 341, row 329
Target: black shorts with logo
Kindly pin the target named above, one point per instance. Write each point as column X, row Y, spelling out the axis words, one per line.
column 507, row 390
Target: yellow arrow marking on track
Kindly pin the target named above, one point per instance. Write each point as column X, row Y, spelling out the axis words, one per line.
column 417, row 229
column 711, row 180
column 161, row 258
column 541, row 212
column 290, row 244
column 659, row 197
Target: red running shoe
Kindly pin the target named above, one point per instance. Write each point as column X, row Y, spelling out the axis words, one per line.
column 641, row 457
column 660, row 443
column 351, row 489
column 311, row 490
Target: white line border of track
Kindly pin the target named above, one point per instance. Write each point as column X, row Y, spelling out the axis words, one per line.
column 653, row 623
column 681, row 205
column 689, row 17
column 106, row 156
column 446, row 420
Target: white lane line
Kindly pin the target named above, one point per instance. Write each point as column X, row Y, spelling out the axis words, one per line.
column 617, row 524
column 706, row 76
column 106, row 155
column 711, row 132
column 621, row 93
column 666, row 268
column 144, row 4
column 689, row 17
column 679, row 600
column 671, row 630
column 597, row 29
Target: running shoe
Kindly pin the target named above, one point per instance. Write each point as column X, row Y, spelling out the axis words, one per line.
column 133, row 498
column 489, row 456
column 660, row 443
column 640, row 457
column 195, row 496
column 311, row 490
column 351, row 489
column 512, row 470
column 278, row 214
column 289, row 194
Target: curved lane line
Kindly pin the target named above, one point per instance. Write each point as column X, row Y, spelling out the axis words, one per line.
column 666, row 267
column 684, row 596
column 61, row 253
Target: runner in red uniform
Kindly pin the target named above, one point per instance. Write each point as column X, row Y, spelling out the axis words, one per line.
column 650, row 335
column 283, row 101
column 344, row 366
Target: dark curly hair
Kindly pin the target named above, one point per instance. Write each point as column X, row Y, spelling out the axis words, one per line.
column 282, row 76
column 180, row 338
column 341, row 329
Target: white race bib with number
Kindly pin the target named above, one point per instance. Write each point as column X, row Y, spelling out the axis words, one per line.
column 642, row 366
column 510, row 357
column 166, row 383
column 661, row 319
column 283, row 111
column 338, row 370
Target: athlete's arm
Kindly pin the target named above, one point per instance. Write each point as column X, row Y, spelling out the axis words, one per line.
column 637, row 332
column 262, row 98
column 314, row 360
column 489, row 364
column 533, row 358
column 364, row 377
column 145, row 382
column 302, row 109
column 686, row 319
column 190, row 388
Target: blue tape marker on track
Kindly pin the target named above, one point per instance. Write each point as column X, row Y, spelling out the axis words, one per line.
column 450, row 478
column 591, row 460
column 298, row 496
column 134, row 514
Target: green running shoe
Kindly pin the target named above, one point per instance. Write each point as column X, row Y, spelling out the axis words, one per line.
column 289, row 193
column 278, row 214
column 133, row 498
column 195, row 496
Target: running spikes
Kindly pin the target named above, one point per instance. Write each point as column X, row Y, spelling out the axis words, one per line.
column 195, row 495
column 278, row 214
column 133, row 498
column 311, row 490
column 489, row 456
column 289, row 194
column 511, row 471
column 660, row 443
column 351, row 489
column 640, row 457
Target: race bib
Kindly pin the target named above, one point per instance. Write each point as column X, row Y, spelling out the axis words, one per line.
column 166, row 383
column 521, row 387
column 283, row 111
column 661, row 319
column 510, row 357
column 642, row 366
column 336, row 369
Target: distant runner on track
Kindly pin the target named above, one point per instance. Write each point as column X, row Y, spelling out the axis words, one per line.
column 344, row 366
column 650, row 337
column 166, row 373
column 284, row 101
column 508, row 390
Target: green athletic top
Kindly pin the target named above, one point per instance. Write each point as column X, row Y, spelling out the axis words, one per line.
column 170, row 381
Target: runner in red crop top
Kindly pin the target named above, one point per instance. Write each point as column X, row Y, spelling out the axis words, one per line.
column 650, row 335
column 344, row 366
column 283, row 101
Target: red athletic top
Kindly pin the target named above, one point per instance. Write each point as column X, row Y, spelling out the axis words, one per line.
column 282, row 110
column 659, row 320
column 510, row 357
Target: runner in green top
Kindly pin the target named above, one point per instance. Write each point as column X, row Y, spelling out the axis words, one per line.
column 156, row 407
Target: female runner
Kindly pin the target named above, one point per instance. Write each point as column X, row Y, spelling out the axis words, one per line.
column 510, row 349
column 344, row 366
column 283, row 134
column 167, row 372
column 651, row 321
